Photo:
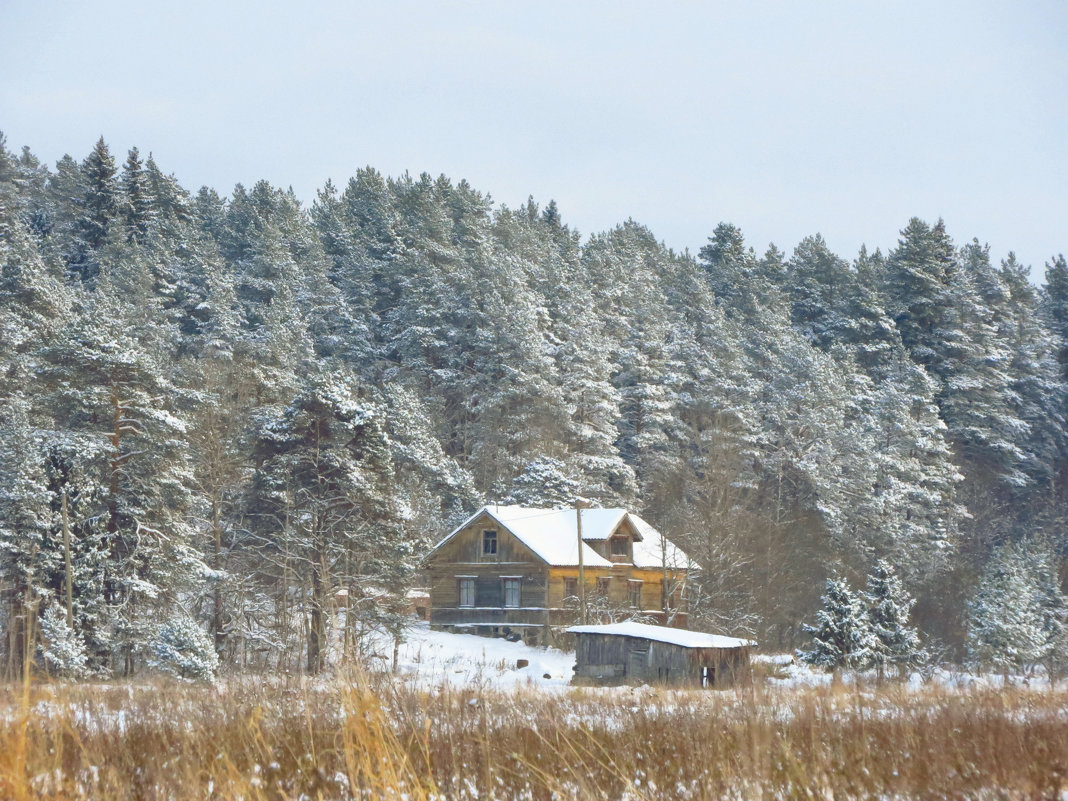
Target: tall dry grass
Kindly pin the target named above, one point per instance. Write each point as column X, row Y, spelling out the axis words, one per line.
column 365, row 738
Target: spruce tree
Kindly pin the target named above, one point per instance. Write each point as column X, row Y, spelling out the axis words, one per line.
column 136, row 203
column 842, row 636
column 889, row 607
column 1016, row 617
column 100, row 195
column 1056, row 308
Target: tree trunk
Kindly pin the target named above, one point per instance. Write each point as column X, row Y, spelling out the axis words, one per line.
column 216, row 564
column 317, row 622
column 68, row 579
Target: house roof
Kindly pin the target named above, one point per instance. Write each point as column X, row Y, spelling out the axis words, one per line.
column 551, row 534
column 644, row 631
column 656, row 550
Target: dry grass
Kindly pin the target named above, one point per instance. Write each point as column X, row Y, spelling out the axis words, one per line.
column 370, row 739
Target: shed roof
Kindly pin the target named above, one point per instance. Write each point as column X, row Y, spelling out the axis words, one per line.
column 644, row 631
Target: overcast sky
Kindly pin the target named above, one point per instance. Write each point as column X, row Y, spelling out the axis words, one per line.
column 786, row 118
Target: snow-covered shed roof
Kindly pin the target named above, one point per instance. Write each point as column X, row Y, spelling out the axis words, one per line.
column 645, row 631
column 552, row 535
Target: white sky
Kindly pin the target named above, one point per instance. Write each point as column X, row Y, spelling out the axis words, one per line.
column 786, row 118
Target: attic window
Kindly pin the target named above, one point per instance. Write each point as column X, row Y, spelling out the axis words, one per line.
column 489, row 542
column 619, row 546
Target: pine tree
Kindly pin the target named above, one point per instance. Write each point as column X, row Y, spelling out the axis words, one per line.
column 324, row 472
column 28, row 558
column 98, row 207
column 842, row 636
column 33, row 302
column 109, row 388
column 889, row 607
column 182, row 649
column 1016, row 618
column 729, row 264
column 544, row 482
column 136, row 203
column 62, row 649
column 1056, row 307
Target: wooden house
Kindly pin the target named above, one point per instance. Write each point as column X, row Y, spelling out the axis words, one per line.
column 622, row 653
column 509, row 570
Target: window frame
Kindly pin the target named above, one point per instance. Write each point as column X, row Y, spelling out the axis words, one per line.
column 490, row 537
column 622, row 543
column 515, row 584
column 571, row 583
column 466, row 583
column 634, row 592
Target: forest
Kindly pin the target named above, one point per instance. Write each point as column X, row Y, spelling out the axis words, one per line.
column 232, row 424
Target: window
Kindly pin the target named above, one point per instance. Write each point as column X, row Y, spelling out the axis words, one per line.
column 467, row 591
column 489, row 542
column 511, row 592
column 570, row 587
column 634, row 590
column 602, row 585
column 619, row 546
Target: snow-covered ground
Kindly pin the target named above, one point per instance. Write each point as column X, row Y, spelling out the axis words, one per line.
column 432, row 658
column 436, row 657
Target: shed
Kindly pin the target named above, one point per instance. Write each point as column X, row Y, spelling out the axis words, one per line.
column 620, row 653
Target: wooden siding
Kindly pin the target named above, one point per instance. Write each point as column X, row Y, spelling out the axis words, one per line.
column 462, row 557
column 612, row 659
column 466, row 546
column 618, row 589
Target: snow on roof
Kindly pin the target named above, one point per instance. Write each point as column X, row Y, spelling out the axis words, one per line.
column 552, row 535
column 656, row 550
column 687, row 639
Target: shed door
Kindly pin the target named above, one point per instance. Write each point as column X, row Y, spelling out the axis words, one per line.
column 638, row 658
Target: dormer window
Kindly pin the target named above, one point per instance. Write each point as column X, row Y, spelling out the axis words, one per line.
column 489, row 542
column 619, row 546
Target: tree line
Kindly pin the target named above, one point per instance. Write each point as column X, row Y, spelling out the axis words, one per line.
column 232, row 425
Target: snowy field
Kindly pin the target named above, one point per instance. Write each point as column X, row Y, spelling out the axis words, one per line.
column 430, row 658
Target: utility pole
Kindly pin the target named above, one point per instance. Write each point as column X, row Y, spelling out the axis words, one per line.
column 580, row 504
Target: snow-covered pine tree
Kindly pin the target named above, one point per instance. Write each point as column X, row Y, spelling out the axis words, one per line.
column 947, row 328
column 28, row 557
column 1055, row 307
column 889, row 606
column 97, row 207
column 842, row 636
column 323, row 489
column 728, row 263
column 107, row 384
column 62, row 649
column 135, row 202
column 33, row 302
column 1016, row 617
column 544, row 482
column 1054, row 610
column 182, row 649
